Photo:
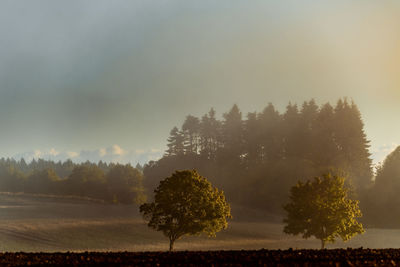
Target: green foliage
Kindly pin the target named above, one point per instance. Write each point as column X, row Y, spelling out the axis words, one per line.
column 186, row 204
column 124, row 184
column 321, row 208
column 42, row 181
column 86, row 180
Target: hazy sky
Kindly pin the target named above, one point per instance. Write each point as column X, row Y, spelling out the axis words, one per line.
column 108, row 80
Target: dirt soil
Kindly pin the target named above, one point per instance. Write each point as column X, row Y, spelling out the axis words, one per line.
column 334, row 257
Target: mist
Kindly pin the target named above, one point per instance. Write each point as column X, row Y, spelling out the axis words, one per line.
column 124, row 72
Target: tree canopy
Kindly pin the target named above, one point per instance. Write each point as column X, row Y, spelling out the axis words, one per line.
column 322, row 208
column 186, row 204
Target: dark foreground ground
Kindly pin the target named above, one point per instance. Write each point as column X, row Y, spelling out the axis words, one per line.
column 331, row 257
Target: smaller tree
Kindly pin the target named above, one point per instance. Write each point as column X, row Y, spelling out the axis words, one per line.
column 321, row 208
column 186, row 204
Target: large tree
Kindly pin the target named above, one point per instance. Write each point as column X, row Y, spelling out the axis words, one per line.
column 322, row 208
column 186, row 204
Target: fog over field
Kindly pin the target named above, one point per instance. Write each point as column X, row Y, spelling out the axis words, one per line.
column 35, row 224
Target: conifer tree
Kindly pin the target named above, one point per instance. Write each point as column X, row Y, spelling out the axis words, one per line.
column 232, row 136
column 175, row 143
column 190, row 131
column 210, row 129
column 271, row 134
column 353, row 155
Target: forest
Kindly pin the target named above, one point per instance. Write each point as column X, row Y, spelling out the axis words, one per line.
column 112, row 183
column 254, row 159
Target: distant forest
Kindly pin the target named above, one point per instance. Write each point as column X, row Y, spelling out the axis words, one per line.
column 113, row 183
column 255, row 160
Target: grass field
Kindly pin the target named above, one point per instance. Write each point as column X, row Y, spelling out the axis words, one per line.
column 35, row 223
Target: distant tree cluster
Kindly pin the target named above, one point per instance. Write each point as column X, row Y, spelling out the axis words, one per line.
column 109, row 182
column 257, row 159
column 382, row 203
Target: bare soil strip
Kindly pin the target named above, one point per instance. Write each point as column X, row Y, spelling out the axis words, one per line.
column 334, row 257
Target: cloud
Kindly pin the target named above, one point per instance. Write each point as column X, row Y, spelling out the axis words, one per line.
column 102, row 152
column 72, row 154
column 53, row 152
column 113, row 153
column 117, row 150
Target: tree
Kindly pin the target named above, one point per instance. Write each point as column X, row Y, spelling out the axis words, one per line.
column 124, row 184
column 86, row 180
column 210, row 129
column 190, row 131
column 186, row 204
column 232, row 137
column 175, row 143
column 388, row 174
column 252, row 138
column 321, row 208
column 42, row 181
column 385, row 193
column 353, row 145
column 271, row 138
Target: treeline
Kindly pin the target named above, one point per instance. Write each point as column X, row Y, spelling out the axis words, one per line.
column 257, row 159
column 112, row 183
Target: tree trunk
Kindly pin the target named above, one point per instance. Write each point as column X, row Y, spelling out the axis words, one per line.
column 322, row 244
column 171, row 244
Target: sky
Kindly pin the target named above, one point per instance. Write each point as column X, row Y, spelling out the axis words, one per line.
column 107, row 80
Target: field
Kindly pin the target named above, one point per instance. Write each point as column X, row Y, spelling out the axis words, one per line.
column 51, row 224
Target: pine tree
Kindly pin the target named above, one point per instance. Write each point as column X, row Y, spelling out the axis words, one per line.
column 353, row 155
column 271, row 138
column 232, row 136
column 190, row 131
column 210, row 129
column 292, row 142
column 175, row 143
column 252, row 136
column 323, row 147
column 307, row 120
